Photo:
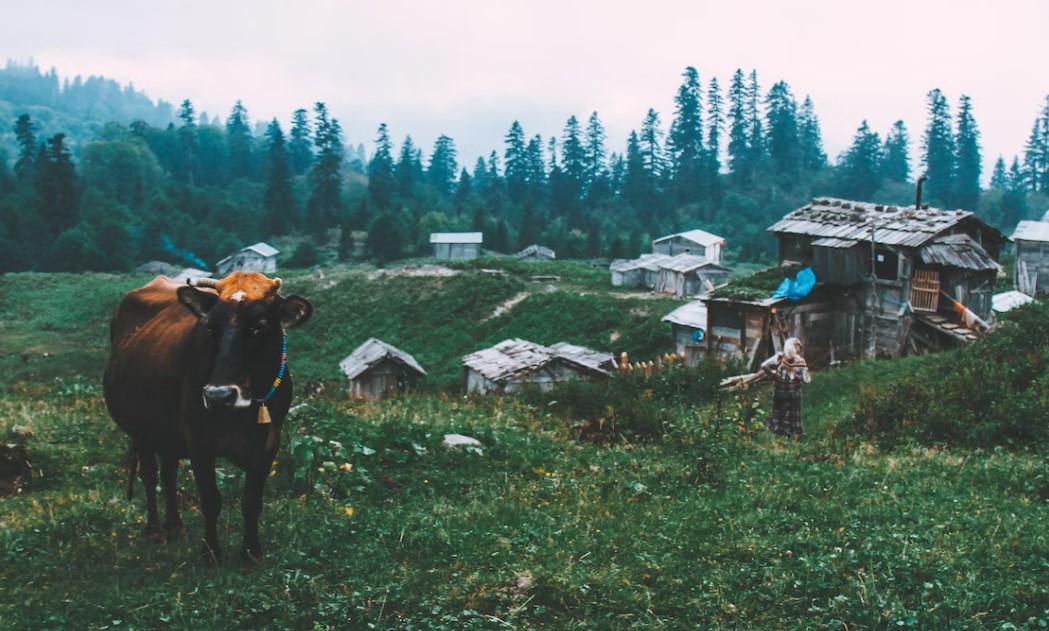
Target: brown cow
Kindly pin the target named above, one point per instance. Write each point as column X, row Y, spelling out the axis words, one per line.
column 200, row 372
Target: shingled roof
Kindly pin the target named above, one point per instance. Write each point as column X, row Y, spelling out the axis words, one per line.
column 372, row 352
column 517, row 357
column 958, row 250
column 835, row 222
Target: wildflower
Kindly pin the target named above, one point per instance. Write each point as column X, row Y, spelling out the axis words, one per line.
column 348, row 510
column 346, row 466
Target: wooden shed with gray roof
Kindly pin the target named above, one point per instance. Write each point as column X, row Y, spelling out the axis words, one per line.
column 260, row 257
column 1032, row 257
column 376, row 369
column 515, row 364
column 457, row 245
column 694, row 242
column 896, row 276
column 689, row 275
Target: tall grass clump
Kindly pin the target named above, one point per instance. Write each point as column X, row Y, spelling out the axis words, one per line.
column 992, row 393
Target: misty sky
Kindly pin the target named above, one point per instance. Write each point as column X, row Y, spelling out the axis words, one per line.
column 469, row 68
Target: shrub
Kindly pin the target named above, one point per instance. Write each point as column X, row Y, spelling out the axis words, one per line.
column 994, row 392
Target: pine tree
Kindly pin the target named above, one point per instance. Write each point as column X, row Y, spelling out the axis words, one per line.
column 1036, row 152
column 25, row 134
column 969, row 166
column 517, row 168
column 595, row 178
column 444, row 166
column 715, row 127
column 384, row 240
column 239, row 142
column 408, row 170
column 537, row 176
column 738, row 135
column 938, row 151
column 999, row 175
column 861, row 166
column 566, row 198
column 279, row 199
column 685, row 143
column 300, row 147
column 784, row 146
column 324, row 208
column 813, row 158
column 56, row 185
column 187, row 139
column 896, row 155
column 652, row 151
column 757, row 143
column 380, row 171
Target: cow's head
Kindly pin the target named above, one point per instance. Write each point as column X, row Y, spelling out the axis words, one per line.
column 245, row 317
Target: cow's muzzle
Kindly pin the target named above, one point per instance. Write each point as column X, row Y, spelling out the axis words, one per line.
column 229, row 396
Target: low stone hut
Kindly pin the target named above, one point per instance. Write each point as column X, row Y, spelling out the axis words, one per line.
column 377, row 369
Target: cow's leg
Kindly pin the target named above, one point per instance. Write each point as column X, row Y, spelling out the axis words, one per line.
column 251, row 508
column 147, row 471
column 169, row 481
column 211, row 504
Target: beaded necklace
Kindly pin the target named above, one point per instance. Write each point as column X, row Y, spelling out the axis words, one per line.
column 264, row 414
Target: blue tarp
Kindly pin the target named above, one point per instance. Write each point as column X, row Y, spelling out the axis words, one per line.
column 796, row 288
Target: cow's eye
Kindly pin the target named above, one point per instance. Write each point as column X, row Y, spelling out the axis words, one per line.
column 258, row 328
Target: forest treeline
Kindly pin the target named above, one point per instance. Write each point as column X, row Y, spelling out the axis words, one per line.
column 132, row 182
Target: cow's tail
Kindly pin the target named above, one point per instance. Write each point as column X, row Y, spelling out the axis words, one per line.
column 132, row 470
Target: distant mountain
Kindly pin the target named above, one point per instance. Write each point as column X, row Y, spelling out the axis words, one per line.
column 78, row 108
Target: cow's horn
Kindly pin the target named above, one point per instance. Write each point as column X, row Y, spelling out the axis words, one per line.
column 277, row 282
column 201, row 282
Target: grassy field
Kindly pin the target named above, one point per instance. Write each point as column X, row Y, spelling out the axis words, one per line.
column 370, row 522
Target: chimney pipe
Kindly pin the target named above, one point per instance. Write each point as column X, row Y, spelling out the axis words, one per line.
column 918, row 194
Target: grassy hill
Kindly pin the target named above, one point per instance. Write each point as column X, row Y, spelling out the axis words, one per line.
column 705, row 522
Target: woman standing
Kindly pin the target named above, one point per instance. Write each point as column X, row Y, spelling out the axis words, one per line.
column 788, row 370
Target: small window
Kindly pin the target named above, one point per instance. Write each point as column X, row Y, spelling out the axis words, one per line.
column 886, row 264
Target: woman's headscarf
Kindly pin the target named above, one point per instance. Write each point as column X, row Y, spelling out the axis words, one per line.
column 792, row 353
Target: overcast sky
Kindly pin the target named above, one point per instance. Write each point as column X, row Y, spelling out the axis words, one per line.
column 469, row 68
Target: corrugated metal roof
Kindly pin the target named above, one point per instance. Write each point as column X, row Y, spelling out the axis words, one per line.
column 264, row 249
column 701, row 237
column 587, row 356
column 516, row 356
column 371, row 353
column 537, row 250
column 831, row 242
column 457, row 237
column 650, row 262
column 958, row 250
column 1008, row 300
column 693, row 314
column 852, row 220
column 1031, row 231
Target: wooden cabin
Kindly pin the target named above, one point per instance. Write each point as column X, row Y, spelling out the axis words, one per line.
column 456, row 245
column 694, row 242
column 377, row 369
column 689, row 275
column 1032, row 257
column 261, row 257
column 536, row 253
column 515, row 364
column 891, row 281
column 895, row 275
column 639, row 272
column 688, row 328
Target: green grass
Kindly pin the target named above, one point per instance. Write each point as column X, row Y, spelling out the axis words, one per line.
column 713, row 524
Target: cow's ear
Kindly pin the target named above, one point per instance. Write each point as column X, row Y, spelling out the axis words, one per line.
column 295, row 310
column 199, row 302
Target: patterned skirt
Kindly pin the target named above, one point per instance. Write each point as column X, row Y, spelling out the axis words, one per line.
column 786, row 408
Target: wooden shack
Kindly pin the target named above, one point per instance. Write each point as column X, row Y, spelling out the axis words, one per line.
column 689, row 275
column 639, row 272
column 377, row 369
column 688, row 328
column 896, row 278
column 1032, row 257
column 695, row 242
column 456, row 245
column 260, row 257
column 515, row 364
column 536, row 253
